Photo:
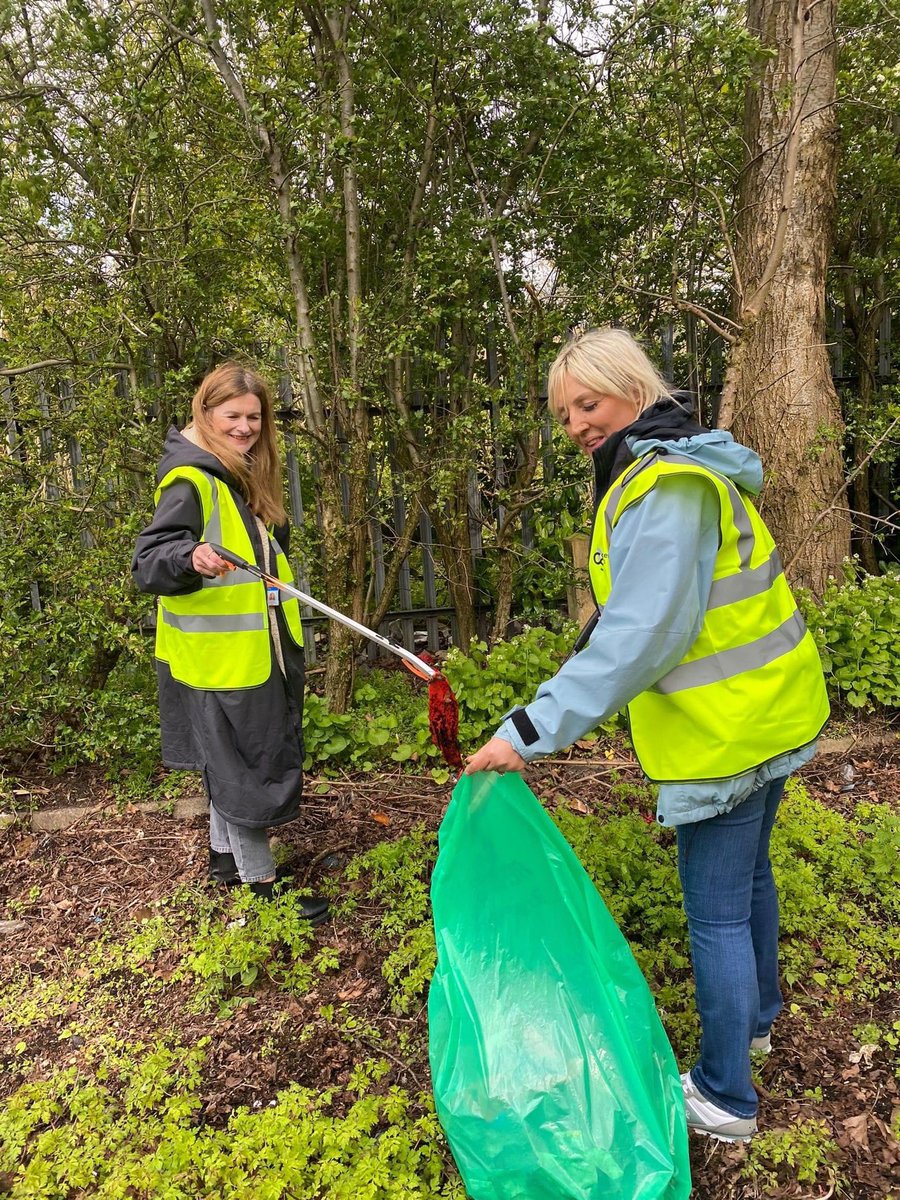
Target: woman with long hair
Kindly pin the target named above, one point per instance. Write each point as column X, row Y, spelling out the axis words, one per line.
column 229, row 650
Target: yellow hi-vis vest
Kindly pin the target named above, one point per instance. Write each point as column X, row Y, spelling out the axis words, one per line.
column 751, row 686
column 217, row 638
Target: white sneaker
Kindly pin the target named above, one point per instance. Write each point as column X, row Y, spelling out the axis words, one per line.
column 707, row 1118
column 761, row 1044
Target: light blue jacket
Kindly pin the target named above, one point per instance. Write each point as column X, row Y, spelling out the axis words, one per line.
column 661, row 556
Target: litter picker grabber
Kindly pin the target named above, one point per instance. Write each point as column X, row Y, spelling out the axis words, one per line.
column 443, row 708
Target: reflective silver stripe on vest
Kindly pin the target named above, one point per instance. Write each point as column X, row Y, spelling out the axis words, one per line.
column 238, row 575
column 752, row 581
column 746, row 536
column 215, row 622
column 213, row 530
column 213, row 533
column 727, row 664
column 613, row 497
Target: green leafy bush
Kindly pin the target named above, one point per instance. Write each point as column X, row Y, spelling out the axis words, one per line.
column 839, row 881
column 130, row 1129
column 263, row 937
column 408, row 969
column 397, row 875
column 77, row 671
column 389, row 717
column 488, row 683
column 806, row 1152
column 857, row 631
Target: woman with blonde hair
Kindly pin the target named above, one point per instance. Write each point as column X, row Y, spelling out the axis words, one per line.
column 229, row 651
column 700, row 639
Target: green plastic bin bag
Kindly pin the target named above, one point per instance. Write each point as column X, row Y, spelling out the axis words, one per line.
column 553, row 1077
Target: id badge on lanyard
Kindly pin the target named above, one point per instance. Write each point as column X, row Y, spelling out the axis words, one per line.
column 273, row 596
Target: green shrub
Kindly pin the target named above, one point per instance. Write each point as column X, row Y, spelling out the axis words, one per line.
column 857, row 631
column 488, row 683
column 839, row 881
column 408, row 969
column 397, row 875
column 388, row 721
column 806, row 1152
column 264, row 937
column 131, row 1129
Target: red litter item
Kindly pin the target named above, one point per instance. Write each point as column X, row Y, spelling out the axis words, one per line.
column 443, row 720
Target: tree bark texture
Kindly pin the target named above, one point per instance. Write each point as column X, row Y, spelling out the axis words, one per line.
column 779, row 397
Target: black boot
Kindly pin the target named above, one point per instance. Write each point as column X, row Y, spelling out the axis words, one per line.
column 264, row 890
column 312, row 908
column 222, row 867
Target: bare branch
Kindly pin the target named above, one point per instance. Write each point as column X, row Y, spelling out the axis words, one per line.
column 45, row 364
column 495, row 249
column 729, row 245
column 337, row 33
column 715, row 321
column 831, row 506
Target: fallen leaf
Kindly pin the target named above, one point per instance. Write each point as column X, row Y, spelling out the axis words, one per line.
column 578, row 806
column 858, row 1130
column 354, row 991
column 864, row 1054
column 381, row 818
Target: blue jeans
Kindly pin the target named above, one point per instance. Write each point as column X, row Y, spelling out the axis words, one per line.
column 732, row 913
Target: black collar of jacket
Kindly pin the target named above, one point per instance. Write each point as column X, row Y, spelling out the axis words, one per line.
column 668, row 420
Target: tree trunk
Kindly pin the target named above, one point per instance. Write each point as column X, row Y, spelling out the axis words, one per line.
column 456, row 555
column 511, row 526
column 344, row 550
column 778, row 390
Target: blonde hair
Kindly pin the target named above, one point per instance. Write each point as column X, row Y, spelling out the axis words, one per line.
column 611, row 362
column 259, row 472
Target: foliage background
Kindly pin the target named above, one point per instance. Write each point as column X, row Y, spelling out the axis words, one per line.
column 514, row 171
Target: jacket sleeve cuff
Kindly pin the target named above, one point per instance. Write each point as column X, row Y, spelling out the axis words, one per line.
column 521, row 734
column 524, row 727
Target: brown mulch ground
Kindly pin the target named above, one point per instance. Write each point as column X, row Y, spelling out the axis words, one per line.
column 111, row 868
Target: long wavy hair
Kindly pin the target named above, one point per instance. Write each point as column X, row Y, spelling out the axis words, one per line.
column 259, row 472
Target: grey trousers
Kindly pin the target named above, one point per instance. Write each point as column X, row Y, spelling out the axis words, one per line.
column 250, row 848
